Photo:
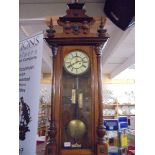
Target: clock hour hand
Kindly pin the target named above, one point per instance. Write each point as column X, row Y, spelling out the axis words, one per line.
column 77, row 62
column 73, row 63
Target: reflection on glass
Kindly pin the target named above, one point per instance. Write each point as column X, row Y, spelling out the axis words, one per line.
column 76, row 110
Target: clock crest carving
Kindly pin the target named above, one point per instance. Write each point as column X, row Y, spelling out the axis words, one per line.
column 76, row 126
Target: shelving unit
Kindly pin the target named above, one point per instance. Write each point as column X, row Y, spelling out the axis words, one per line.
column 43, row 118
column 115, row 109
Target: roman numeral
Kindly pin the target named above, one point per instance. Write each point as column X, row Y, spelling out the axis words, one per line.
column 84, row 66
column 84, row 58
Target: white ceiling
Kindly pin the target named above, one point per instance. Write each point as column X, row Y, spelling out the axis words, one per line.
column 43, row 8
column 118, row 54
column 58, row 1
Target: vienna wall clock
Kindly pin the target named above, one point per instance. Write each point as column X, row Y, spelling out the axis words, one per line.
column 77, row 121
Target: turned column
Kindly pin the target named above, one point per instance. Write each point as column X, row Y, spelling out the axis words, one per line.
column 51, row 146
column 100, row 128
column 102, row 147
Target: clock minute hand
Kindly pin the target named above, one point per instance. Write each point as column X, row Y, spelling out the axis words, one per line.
column 73, row 63
column 76, row 62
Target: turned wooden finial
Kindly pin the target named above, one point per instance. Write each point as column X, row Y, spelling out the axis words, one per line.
column 101, row 31
column 51, row 22
column 103, row 21
column 50, row 31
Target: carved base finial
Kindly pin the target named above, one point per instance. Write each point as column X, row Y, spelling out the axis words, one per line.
column 101, row 31
column 51, row 140
column 50, row 31
column 101, row 132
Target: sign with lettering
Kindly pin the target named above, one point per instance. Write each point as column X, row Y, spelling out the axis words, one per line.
column 30, row 59
column 111, row 124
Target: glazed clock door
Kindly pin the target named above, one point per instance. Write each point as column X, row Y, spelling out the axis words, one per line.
column 76, row 101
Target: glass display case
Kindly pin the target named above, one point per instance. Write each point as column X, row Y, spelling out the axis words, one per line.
column 118, row 103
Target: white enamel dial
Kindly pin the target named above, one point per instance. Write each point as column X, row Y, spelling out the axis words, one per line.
column 76, row 62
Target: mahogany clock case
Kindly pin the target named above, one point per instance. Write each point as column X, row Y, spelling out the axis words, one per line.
column 76, row 127
column 64, row 110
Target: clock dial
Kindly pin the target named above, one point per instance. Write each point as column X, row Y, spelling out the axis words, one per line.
column 76, row 62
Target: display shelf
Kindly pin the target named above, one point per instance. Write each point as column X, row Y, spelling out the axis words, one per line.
column 43, row 117
column 118, row 115
column 109, row 105
column 127, row 115
column 41, row 126
column 124, row 104
column 118, row 109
